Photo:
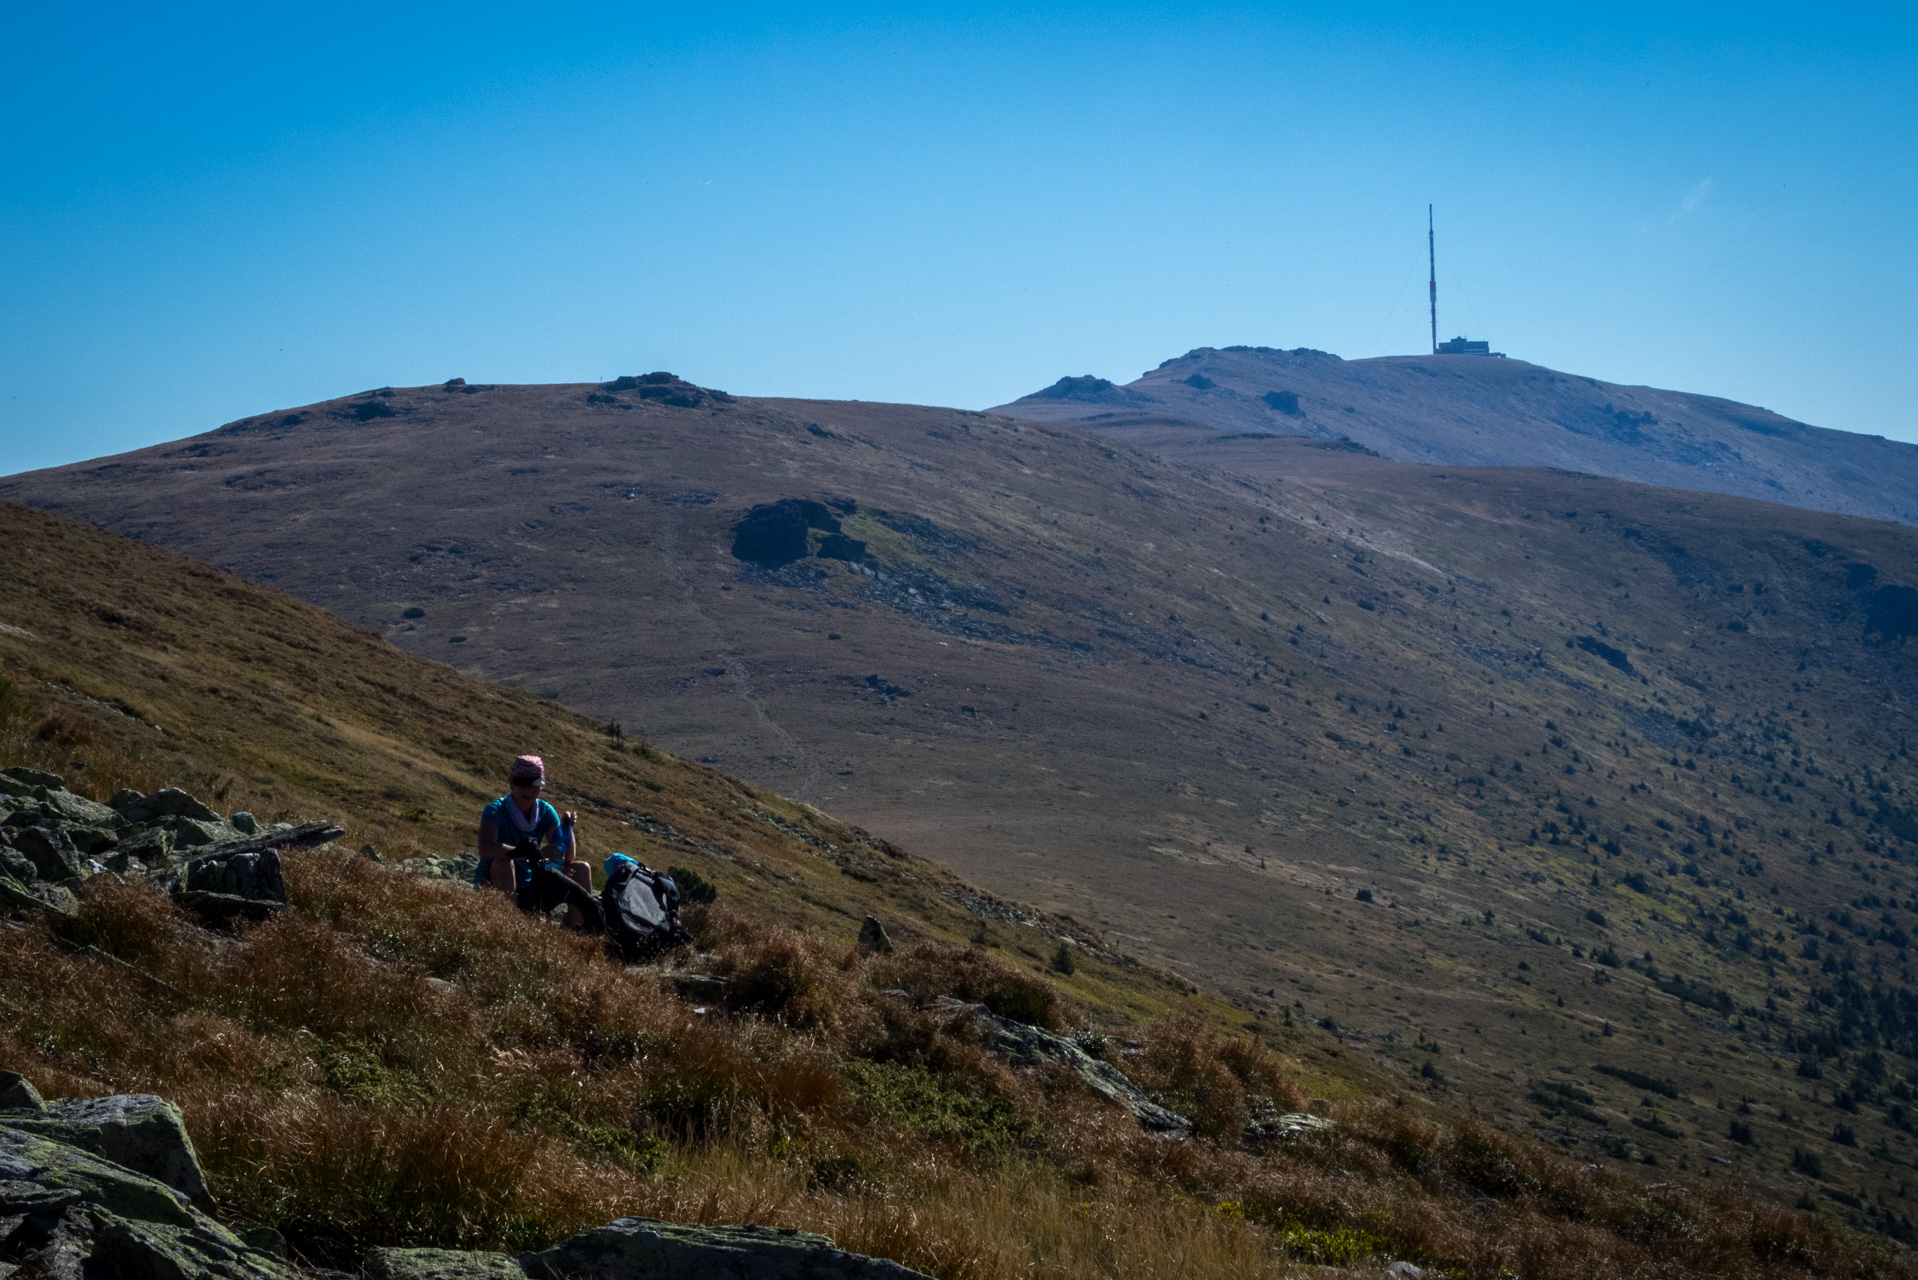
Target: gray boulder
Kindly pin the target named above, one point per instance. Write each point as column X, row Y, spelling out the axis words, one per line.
column 54, row 854
column 195, row 833
column 242, row 877
column 27, row 779
column 440, row 1264
column 39, row 896
column 168, row 802
column 1266, row 1126
column 54, row 804
column 18, row 865
column 1028, row 1046
column 873, row 936
column 134, row 1130
column 253, row 874
column 645, row 1249
column 18, row 1094
column 48, row 1163
column 145, row 850
column 68, row 1213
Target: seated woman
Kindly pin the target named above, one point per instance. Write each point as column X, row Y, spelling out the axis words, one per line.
column 519, row 832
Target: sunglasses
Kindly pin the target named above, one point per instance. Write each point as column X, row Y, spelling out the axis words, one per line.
column 529, row 782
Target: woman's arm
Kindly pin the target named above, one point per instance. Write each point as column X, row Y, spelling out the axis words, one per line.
column 489, row 842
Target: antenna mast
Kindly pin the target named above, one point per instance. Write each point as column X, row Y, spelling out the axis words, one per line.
column 1431, row 258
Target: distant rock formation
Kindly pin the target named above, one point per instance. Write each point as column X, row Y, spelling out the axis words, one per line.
column 1474, row 411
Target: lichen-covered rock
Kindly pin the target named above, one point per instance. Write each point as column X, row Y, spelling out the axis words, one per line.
column 459, row 868
column 16, row 897
column 253, row 874
column 85, row 1240
column 31, row 1157
column 18, row 865
column 25, row 780
column 1029, row 1046
column 1267, row 1126
column 440, row 1264
column 18, row 1094
column 242, row 876
column 168, row 802
column 135, row 1130
column 54, row 855
column 139, row 854
column 196, row 833
column 67, row 1213
column 79, row 809
column 645, row 1249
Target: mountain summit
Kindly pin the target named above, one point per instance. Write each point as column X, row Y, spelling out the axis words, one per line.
column 1484, row 411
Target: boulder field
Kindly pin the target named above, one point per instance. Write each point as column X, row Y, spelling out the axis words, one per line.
column 52, row 840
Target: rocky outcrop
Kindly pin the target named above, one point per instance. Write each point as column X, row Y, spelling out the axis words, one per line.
column 17, row 1093
column 108, row 1187
column 1029, row 1046
column 646, row 1249
column 51, row 841
column 137, row 1131
column 1267, row 1127
column 873, row 936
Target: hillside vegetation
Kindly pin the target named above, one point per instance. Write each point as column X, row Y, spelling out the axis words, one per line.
column 400, row 1059
column 1515, row 780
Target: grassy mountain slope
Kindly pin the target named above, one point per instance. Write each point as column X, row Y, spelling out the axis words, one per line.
column 1474, row 411
column 1529, row 777
column 401, row 1060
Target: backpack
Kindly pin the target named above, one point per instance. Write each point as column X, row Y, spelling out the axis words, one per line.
column 642, row 911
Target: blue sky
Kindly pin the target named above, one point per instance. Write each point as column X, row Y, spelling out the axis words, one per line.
column 213, row 211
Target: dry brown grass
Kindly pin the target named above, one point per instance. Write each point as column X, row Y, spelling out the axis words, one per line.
column 1212, row 1078
column 971, row 973
column 399, row 1060
column 95, row 762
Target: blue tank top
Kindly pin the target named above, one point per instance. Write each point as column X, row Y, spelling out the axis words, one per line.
column 505, row 817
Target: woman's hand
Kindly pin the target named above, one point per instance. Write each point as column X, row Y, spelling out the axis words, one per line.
column 568, row 818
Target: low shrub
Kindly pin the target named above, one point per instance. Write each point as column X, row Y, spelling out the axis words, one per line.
column 930, row 969
column 789, row 976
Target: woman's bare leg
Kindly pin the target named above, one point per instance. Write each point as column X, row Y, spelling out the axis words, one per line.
column 582, row 875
